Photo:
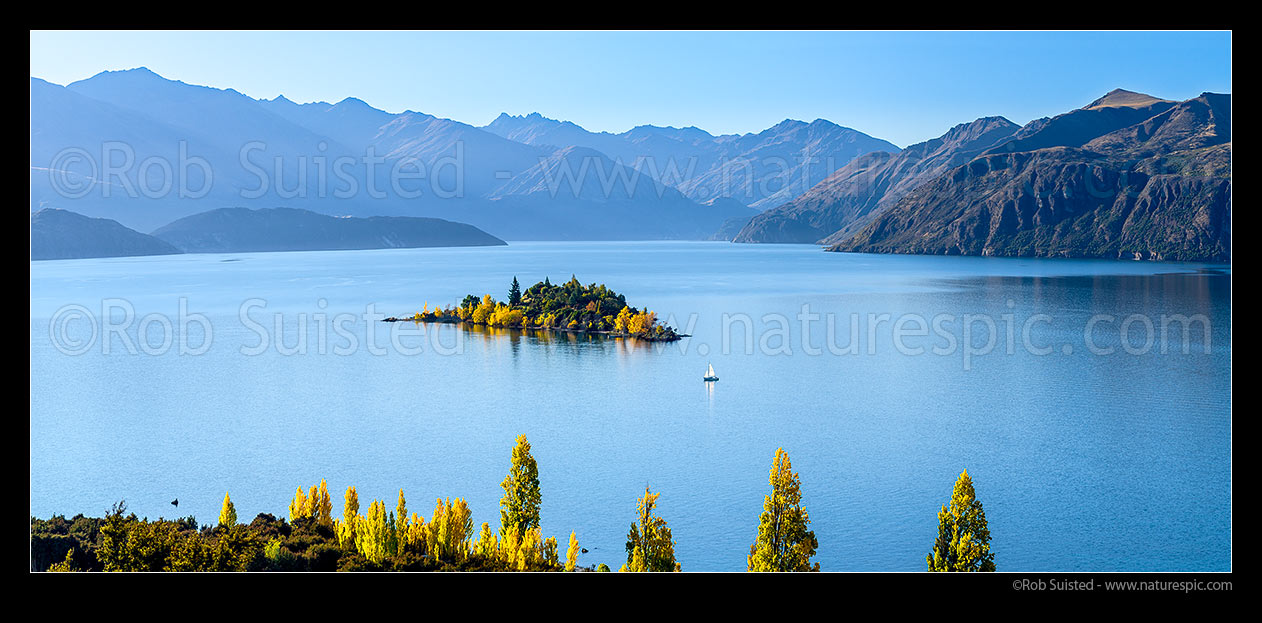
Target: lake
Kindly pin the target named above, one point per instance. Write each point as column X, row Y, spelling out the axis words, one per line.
column 1089, row 447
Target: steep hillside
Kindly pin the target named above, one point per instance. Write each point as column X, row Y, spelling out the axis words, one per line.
column 1159, row 188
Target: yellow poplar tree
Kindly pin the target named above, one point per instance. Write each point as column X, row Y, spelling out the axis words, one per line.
column 299, row 507
column 550, row 557
column 571, row 554
column 963, row 542
column 520, row 505
column 450, row 530
column 350, row 513
column 487, row 545
column 415, row 536
column 783, row 543
column 401, row 522
column 228, row 514
column 649, row 543
column 324, row 508
column 372, row 533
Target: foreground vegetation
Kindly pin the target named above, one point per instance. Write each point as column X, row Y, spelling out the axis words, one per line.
column 311, row 539
column 571, row 306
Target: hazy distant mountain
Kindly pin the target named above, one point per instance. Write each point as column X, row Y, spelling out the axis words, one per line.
column 731, row 226
column 176, row 134
column 286, row 229
column 61, row 234
column 871, row 183
column 776, row 165
column 759, row 170
column 1129, row 176
column 351, row 122
column 579, row 193
column 162, row 138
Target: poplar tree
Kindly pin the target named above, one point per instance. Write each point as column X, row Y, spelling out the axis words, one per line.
column 649, row 543
column 401, row 522
column 228, row 514
column 520, row 505
column 963, row 542
column 346, row 530
column 324, row 507
column 299, row 507
column 372, row 533
column 783, row 543
column 571, row 554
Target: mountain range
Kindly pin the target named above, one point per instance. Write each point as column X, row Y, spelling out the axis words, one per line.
column 1127, row 176
column 142, row 149
column 1119, row 179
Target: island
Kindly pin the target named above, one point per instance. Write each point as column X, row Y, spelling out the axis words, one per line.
column 570, row 307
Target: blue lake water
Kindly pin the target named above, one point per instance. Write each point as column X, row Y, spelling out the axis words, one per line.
column 1088, row 452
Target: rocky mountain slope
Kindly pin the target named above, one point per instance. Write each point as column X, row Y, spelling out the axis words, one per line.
column 1129, row 176
column 871, row 183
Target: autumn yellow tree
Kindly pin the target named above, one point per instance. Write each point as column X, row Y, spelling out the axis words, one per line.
column 963, row 542
column 372, row 533
column 346, row 536
column 414, row 539
column 299, row 507
column 520, row 505
column 649, row 543
column 783, row 542
column 227, row 514
column 450, row 530
column 324, row 506
column 623, row 320
column 401, row 524
column 571, row 554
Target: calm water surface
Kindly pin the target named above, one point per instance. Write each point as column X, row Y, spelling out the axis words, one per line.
column 1118, row 461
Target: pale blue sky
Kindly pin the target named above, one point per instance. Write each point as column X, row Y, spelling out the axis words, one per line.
column 904, row 87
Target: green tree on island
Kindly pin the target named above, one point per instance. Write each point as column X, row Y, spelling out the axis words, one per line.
column 514, row 293
column 963, row 542
column 519, row 508
column 783, row 543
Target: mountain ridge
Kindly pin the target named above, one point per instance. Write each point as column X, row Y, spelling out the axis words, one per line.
column 1156, row 189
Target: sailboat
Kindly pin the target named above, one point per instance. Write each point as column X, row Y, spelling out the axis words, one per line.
column 709, row 373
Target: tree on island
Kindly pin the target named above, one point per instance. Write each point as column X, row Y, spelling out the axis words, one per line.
column 519, row 508
column 783, row 543
column 963, row 542
column 514, row 293
column 571, row 306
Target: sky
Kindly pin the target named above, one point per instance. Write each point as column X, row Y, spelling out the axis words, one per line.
column 904, row 87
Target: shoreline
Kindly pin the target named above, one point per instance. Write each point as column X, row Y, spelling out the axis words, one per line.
column 673, row 338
